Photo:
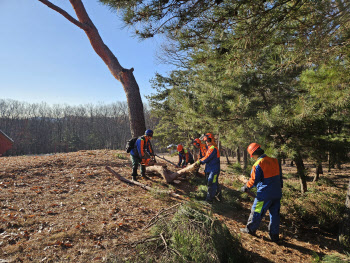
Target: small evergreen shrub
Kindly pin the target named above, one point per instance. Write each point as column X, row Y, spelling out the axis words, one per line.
column 191, row 235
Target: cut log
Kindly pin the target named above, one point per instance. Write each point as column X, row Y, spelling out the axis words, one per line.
column 121, row 178
column 162, row 170
column 189, row 169
column 168, row 175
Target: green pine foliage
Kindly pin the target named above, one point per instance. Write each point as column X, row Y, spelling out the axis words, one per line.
column 276, row 72
column 191, row 235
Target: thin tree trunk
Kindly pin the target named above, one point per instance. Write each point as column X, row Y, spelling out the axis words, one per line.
column 330, row 162
column 245, row 159
column 344, row 233
column 319, row 171
column 227, row 159
column 125, row 76
column 238, row 154
column 301, row 173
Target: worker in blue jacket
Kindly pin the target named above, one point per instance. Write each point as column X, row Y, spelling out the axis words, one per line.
column 141, row 154
column 266, row 176
column 212, row 161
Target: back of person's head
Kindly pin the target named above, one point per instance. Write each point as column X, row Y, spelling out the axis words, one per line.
column 149, row 133
column 258, row 152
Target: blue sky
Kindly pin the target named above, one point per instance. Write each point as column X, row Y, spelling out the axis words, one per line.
column 46, row 58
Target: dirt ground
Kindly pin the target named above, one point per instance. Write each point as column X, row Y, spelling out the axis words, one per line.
column 68, row 208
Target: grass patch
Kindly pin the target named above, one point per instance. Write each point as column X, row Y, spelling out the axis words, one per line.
column 322, row 207
column 333, row 258
column 325, row 181
column 120, row 156
column 200, row 193
column 191, row 235
column 289, row 176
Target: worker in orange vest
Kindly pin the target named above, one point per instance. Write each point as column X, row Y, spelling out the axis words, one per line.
column 266, row 176
column 141, row 154
column 185, row 157
column 201, row 146
column 212, row 161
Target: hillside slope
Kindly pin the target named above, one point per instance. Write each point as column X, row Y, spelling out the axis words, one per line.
column 67, row 208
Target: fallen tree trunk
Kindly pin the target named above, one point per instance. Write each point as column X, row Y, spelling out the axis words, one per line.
column 163, row 171
column 121, row 178
column 188, row 169
column 168, row 175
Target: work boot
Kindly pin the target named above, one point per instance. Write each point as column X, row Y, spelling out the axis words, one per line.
column 208, row 200
column 134, row 178
column 218, row 195
column 143, row 174
column 274, row 237
column 247, row 231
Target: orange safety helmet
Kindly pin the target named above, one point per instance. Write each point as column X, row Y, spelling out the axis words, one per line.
column 196, row 141
column 210, row 135
column 252, row 148
column 180, row 148
column 207, row 138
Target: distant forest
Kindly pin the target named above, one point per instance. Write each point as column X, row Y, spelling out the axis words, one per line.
column 39, row 128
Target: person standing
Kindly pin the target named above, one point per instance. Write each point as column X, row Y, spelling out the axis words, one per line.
column 185, row 157
column 141, row 154
column 212, row 161
column 201, row 146
column 266, row 176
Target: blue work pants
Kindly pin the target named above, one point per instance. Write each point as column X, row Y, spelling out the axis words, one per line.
column 213, row 185
column 258, row 211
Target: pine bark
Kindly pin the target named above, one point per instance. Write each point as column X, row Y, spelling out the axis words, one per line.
column 238, row 154
column 319, row 171
column 125, row 76
column 245, row 159
column 301, row 172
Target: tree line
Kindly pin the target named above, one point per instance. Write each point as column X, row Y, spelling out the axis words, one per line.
column 39, row 128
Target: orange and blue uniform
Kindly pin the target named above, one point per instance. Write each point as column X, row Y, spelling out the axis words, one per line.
column 266, row 176
column 185, row 157
column 141, row 154
column 202, row 150
column 212, row 161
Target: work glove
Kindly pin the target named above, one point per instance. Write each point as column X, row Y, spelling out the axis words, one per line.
column 198, row 162
column 244, row 188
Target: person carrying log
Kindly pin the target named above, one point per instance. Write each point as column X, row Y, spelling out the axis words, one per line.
column 185, row 157
column 212, row 161
column 266, row 176
column 141, row 154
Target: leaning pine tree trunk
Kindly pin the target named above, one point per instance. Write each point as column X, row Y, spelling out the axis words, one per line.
column 344, row 233
column 125, row 76
column 301, row 173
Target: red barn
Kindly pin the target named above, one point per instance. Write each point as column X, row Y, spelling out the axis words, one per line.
column 5, row 143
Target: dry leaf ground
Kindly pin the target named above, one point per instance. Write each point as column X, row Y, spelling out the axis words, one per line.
column 67, row 208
